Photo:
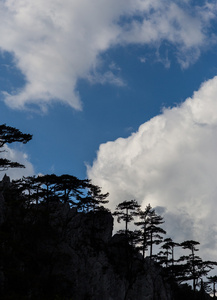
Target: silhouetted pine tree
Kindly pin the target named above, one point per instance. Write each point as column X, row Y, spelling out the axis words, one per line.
column 151, row 232
column 125, row 211
column 212, row 280
column 94, row 199
column 144, row 234
column 10, row 135
column 168, row 253
column 194, row 268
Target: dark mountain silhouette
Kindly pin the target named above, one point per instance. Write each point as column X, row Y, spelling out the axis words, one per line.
column 56, row 243
column 53, row 249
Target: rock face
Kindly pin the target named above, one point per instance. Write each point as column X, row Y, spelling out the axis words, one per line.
column 3, row 184
column 104, row 267
column 54, row 252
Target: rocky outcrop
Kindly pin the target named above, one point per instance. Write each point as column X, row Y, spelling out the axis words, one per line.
column 51, row 250
column 102, row 266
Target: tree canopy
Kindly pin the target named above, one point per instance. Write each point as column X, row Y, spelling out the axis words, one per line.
column 126, row 211
column 10, row 135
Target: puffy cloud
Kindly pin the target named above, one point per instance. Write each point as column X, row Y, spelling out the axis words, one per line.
column 171, row 163
column 20, row 157
column 55, row 43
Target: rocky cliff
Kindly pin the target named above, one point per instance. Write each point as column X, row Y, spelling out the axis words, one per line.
column 51, row 251
column 102, row 266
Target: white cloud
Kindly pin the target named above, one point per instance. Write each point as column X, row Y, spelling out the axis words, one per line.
column 107, row 77
column 20, row 157
column 142, row 59
column 55, row 43
column 171, row 162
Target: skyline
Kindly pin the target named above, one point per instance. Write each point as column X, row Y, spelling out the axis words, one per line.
column 123, row 92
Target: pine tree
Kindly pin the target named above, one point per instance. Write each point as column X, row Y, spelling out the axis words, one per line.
column 213, row 281
column 143, row 236
column 151, row 232
column 95, row 199
column 168, row 248
column 194, row 267
column 126, row 211
column 10, row 135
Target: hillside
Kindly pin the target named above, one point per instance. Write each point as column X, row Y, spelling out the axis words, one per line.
column 51, row 250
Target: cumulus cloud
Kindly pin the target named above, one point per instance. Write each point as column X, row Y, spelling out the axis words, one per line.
column 20, row 157
column 55, row 43
column 171, row 163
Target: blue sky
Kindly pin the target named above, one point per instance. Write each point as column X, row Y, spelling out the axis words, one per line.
column 102, row 86
column 64, row 140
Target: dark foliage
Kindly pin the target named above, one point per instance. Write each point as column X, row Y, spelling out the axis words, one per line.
column 125, row 211
column 10, row 135
column 34, row 238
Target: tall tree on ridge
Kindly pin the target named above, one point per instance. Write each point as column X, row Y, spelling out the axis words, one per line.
column 144, row 234
column 154, row 230
column 169, row 246
column 69, row 188
column 126, row 211
column 194, row 267
column 94, row 198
